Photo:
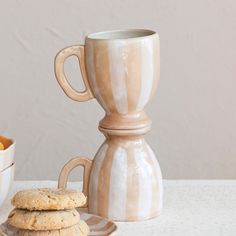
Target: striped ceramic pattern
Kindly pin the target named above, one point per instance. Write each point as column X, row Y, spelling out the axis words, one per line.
column 98, row 226
column 125, row 181
column 121, row 70
column 123, row 74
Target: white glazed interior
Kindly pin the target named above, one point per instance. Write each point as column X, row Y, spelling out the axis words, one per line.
column 121, row 34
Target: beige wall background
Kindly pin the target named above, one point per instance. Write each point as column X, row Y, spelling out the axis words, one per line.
column 193, row 112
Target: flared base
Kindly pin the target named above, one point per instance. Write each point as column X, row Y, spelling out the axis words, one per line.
column 125, row 182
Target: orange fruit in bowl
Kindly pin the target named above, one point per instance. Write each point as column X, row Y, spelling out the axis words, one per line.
column 1, row 146
column 4, row 143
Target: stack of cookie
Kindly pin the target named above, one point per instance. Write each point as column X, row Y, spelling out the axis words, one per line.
column 51, row 212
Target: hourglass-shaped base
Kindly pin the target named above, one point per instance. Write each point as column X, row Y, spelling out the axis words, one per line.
column 125, row 181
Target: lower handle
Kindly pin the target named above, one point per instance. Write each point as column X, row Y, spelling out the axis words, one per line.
column 69, row 166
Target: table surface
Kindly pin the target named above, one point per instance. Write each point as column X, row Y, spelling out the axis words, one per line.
column 191, row 208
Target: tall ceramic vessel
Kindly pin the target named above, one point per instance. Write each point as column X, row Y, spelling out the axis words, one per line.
column 121, row 70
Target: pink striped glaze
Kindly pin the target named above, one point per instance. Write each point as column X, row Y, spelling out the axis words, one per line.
column 123, row 75
column 121, row 70
column 125, row 182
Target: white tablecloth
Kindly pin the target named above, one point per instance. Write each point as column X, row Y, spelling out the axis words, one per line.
column 191, row 208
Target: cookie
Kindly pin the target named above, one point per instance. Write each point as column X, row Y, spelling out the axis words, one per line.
column 43, row 220
column 48, row 199
column 80, row 229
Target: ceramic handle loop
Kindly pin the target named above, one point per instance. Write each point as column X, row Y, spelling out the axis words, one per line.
column 60, row 58
column 69, row 166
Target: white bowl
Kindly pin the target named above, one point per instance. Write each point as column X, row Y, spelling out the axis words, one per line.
column 6, row 180
column 7, row 155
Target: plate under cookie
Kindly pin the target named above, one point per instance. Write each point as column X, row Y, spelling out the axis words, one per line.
column 98, row 226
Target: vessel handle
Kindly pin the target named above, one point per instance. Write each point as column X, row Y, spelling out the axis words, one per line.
column 78, row 51
column 69, row 166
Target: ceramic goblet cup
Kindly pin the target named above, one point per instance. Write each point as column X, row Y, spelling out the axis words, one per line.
column 120, row 69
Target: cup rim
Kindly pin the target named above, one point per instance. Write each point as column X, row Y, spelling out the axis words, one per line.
column 122, row 34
